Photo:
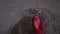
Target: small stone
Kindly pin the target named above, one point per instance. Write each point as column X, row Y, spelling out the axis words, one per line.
column 40, row 11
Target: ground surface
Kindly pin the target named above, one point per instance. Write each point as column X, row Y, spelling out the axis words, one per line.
column 11, row 11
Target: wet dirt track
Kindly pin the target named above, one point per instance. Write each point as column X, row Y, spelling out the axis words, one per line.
column 11, row 11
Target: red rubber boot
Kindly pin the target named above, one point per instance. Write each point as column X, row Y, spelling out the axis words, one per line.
column 37, row 24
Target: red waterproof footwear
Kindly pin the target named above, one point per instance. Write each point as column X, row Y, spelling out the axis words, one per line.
column 37, row 24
